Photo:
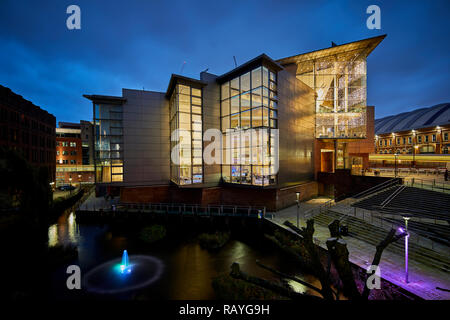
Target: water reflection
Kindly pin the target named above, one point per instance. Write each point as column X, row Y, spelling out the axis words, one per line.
column 65, row 231
column 189, row 268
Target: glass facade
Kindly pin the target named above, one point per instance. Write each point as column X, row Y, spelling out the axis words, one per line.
column 186, row 127
column 339, row 83
column 108, row 137
column 249, row 116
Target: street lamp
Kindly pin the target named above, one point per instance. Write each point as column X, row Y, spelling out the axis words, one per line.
column 70, row 184
column 395, row 163
column 406, row 248
column 414, row 154
column 79, row 180
column 297, row 194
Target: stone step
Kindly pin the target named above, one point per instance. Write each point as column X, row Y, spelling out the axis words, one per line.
column 373, row 235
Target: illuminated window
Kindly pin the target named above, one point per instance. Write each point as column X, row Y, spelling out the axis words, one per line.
column 186, row 116
column 248, row 113
column 108, row 146
column 340, row 86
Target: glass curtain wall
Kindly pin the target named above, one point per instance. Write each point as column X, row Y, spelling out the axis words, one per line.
column 248, row 118
column 340, row 86
column 108, row 143
column 186, row 130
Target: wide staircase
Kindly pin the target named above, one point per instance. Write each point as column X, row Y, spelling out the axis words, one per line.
column 430, row 203
column 371, row 234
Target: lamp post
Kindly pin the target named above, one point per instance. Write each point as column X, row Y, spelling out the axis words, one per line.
column 406, row 249
column 414, row 154
column 395, row 163
column 70, row 185
column 297, row 194
column 79, row 180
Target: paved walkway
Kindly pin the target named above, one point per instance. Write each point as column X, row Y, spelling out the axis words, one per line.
column 95, row 203
column 423, row 278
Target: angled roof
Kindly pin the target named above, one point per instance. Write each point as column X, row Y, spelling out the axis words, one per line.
column 176, row 78
column 365, row 46
column 105, row 99
column 262, row 59
column 437, row 115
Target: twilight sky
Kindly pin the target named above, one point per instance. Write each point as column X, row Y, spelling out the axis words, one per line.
column 138, row 44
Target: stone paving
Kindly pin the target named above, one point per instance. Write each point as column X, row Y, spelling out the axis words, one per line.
column 423, row 279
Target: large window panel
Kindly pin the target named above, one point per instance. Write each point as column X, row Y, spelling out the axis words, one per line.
column 185, row 111
column 253, row 106
column 108, row 142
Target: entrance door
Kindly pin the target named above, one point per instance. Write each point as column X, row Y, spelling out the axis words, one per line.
column 326, row 160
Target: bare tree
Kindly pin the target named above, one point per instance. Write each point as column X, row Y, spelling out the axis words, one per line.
column 337, row 254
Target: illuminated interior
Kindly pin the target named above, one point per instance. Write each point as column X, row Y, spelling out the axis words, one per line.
column 248, row 118
column 186, row 115
column 340, row 85
column 108, row 143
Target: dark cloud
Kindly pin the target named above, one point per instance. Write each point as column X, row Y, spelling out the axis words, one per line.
column 138, row 44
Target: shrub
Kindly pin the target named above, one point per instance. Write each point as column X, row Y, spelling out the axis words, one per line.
column 213, row 241
column 152, row 233
column 228, row 288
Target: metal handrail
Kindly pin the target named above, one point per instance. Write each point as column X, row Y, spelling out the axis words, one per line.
column 443, row 186
column 378, row 187
column 185, row 208
column 310, row 213
column 392, row 196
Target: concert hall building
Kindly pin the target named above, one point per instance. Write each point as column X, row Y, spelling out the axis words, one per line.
column 282, row 122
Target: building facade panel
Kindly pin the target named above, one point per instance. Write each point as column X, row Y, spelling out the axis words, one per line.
column 146, row 152
column 296, row 121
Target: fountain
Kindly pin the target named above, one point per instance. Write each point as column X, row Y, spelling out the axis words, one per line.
column 125, row 267
column 115, row 276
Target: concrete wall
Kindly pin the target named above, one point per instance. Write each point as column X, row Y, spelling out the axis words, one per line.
column 146, row 138
column 296, row 128
column 211, row 120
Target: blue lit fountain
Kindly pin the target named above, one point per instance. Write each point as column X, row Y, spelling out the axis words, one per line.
column 125, row 266
column 123, row 275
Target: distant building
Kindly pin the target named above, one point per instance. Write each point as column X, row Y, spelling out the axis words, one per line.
column 420, row 138
column 74, row 155
column 28, row 129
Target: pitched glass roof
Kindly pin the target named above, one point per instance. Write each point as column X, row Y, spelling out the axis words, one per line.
column 437, row 115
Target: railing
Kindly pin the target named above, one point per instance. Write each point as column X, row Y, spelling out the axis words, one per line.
column 376, row 188
column 327, row 205
column 409, row 171
column 390, row 221
column 392, row 196
column 317, row 210
column 188, row 209
column 428, row 184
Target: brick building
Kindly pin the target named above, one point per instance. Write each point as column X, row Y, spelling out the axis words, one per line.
column 419, row 138
column 74, row 153
column 28, row 129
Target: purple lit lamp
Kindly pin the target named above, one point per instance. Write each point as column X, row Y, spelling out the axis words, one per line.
column 406, row 248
